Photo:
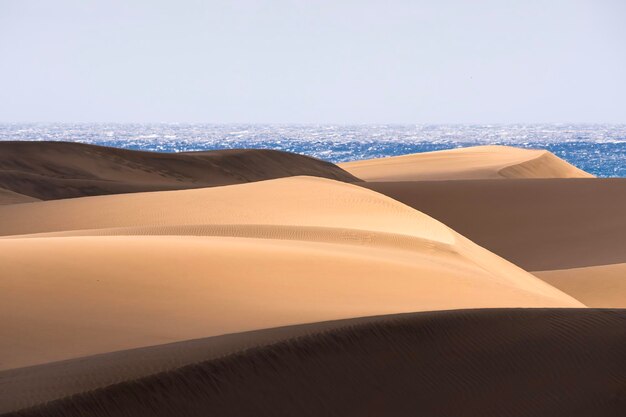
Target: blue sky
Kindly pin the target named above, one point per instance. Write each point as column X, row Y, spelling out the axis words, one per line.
column 295, row 61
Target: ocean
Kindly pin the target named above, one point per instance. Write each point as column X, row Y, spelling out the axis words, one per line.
column 596, row 148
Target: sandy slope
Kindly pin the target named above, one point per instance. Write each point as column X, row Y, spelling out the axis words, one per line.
column 538, row 224
column 532, row 362
column 477, row 162
column 596, row 286
column 10, row 197
column 113, row 272
column 50, row 170
column 576, row 227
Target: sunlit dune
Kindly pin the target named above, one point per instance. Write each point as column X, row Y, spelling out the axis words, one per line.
column 96, row 274
column 477, row 162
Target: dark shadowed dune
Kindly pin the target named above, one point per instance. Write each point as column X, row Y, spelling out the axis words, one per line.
column 52, row 170
column 11, row 197
column 504, row 362
column 538, row 224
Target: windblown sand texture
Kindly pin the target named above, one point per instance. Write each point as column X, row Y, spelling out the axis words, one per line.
column 508, row 362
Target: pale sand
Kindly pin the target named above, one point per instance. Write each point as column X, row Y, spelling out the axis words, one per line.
column 116, row 272
column 596, row 286
column 479, row 162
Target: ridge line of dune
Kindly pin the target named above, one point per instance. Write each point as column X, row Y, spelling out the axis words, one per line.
column 344, row 194
column 326, row 235
column 53, row 170
column 540, row 153
column 330, row 235
column 508, row 171
column 474, row 162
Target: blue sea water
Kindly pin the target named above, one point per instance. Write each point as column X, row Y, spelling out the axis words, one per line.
column 597, row 148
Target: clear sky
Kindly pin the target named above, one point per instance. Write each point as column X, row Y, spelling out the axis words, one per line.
column 297, row 61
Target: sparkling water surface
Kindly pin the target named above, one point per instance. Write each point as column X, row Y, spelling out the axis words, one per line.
column 599, row 149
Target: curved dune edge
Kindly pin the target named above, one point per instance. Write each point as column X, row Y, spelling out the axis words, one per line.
column 463, row 362
column 53, row 170
column 596, row 286
column 544, row 165
column 477, row 162
column 298, row 201
column 166, row 266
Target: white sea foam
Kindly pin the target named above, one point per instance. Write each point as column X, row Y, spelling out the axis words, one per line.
column 599, row 149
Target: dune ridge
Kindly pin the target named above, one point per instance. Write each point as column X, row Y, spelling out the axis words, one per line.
column 463, row 362
column 53, row 170
column 301, row 201
column 150, row 268
column 477, row 162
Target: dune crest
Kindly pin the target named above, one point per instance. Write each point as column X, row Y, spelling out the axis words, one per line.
column 478, row 162
column 115, row 272
column 53, row 170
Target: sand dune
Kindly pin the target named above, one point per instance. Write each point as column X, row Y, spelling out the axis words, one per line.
column 51, row 170
column 96, row 274
column 10, row 197
column 169, row 303
column 477, row 162
column 596, row 286
column 539, row 224
column 575, row 227
column 533, row 362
